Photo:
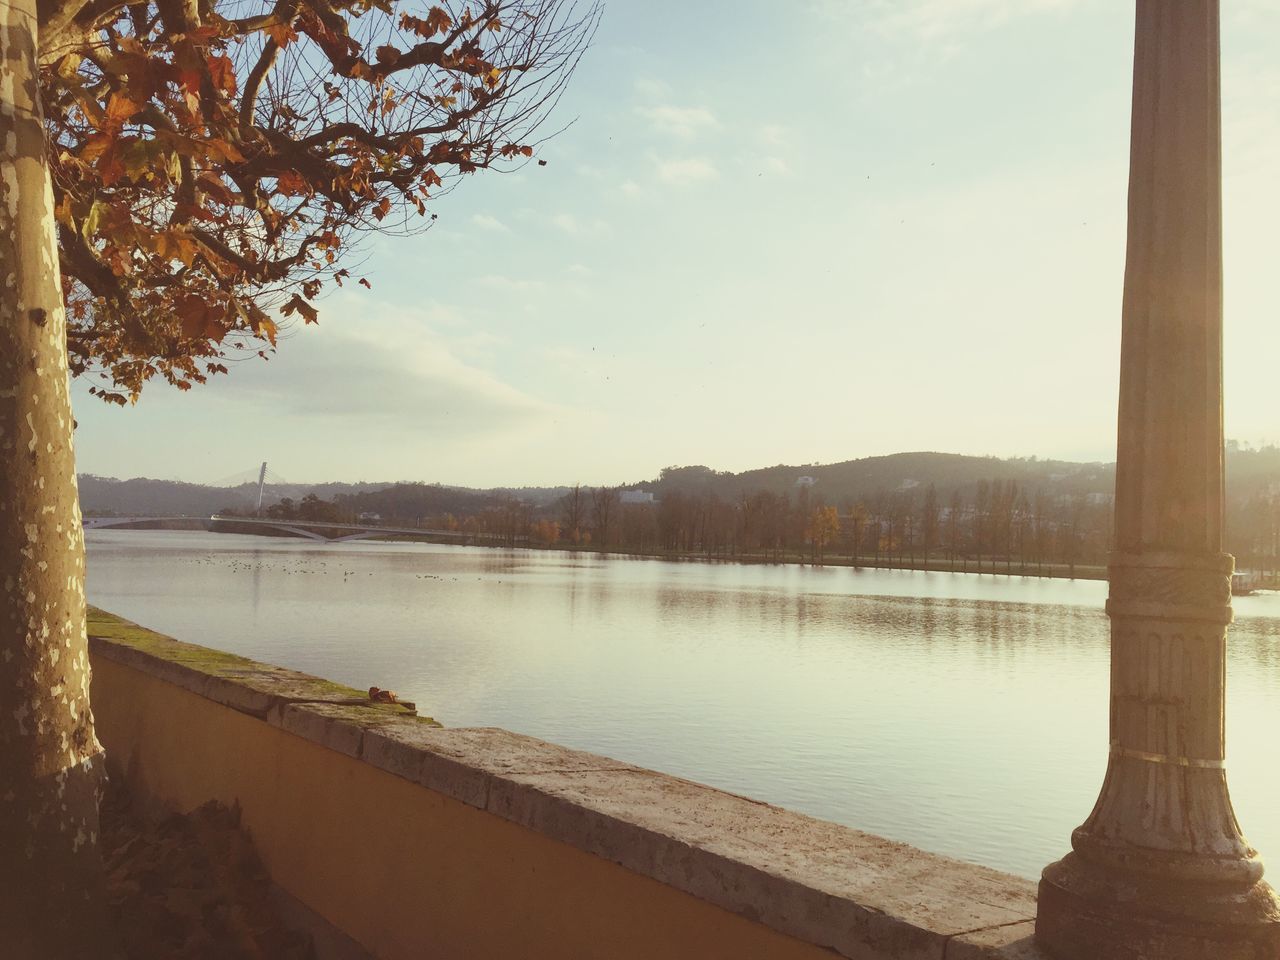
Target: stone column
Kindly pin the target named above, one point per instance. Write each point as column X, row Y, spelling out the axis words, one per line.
column 1160, row 868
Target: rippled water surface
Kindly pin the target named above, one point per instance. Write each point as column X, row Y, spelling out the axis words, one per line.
column 963, row 714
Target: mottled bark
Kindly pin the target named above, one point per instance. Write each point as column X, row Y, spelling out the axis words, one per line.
column 51, row 902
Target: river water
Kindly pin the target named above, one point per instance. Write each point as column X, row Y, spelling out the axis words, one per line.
column 960, row 713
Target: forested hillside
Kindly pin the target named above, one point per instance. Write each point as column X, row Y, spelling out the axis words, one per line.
column 897, row 508
column 862, row 478
column 143, row 497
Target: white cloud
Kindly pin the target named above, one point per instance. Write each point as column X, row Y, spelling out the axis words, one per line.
column 1249, row 12
column 685, row 171
column 652, row 88
column 683, row 122
column 1250, row 130
column 579, row 270
column 938, row 21
column 393, row 370
column 567, row 222
column 776, row 166
column 629, row 188
column 492, row 224
column 576, row 362
column 480, row 343
column 762, row 165
column 579, row 228
column 773, row 134
column 512, row 284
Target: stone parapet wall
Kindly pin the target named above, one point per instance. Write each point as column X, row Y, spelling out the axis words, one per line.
column 419, row 841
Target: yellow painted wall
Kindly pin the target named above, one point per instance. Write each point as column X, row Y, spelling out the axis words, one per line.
column 406, row 871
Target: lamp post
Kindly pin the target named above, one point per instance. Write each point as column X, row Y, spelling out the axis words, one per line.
column 1160, row 868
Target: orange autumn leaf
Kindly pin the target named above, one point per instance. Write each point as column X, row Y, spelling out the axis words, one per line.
column 438, row 20
column 192, row 313
column 224, row 150
column 283, row 34
column 181, row 246
column 297, row 305
column 120, row 108
column 266, row 327
column 222, row 72
column 201, row 180
column 95, row 146
column 291, row 183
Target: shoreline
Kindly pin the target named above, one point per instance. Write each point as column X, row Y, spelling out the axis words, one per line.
column 1057, row 571
column 1046, row 571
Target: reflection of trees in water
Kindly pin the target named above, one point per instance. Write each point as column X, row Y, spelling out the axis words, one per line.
column 1257, row 639
column 884, row 620
column 525, row 561
column 1019, row 625
column 959, row 623
column 686, row 603
column 994, row 627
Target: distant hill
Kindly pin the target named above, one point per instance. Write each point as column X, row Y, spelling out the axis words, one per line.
column 408, row 502
column 1249, row 473
column 860, row 479
column 140, row 496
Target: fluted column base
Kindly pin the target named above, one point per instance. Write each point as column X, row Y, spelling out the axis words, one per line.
column 1088, row 913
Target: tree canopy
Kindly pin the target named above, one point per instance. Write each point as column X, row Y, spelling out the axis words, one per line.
column 181, row 174
column 212, row 160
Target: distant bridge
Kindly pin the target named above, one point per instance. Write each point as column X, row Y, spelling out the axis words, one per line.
column 308, row 529
column 193, row 523
column 324, row 530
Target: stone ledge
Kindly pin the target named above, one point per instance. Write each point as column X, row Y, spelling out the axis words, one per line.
column 258, row 689
column 858, row 895
column 1013, row 942
column 854, row 893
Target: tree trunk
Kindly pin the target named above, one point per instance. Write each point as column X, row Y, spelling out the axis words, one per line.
column 51, row 897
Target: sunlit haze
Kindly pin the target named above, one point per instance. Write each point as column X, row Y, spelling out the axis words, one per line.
column 800, row 232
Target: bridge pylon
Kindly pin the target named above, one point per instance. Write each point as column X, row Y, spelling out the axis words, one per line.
column 262, row 483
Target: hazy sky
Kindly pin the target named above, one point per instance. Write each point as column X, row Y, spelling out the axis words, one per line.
column 778, row 232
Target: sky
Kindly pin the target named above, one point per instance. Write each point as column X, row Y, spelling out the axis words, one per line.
column 797, row 232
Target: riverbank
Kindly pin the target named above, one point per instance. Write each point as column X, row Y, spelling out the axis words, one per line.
column 984, row 565
column 385, row 835
column 671, row 666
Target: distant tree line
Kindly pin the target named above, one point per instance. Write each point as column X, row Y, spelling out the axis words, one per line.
column 311, row 508
column 1000, row 527
column 1253, row 526
column 995, row 524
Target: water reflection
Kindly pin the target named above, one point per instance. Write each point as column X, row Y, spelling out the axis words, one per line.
column 964, row 714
